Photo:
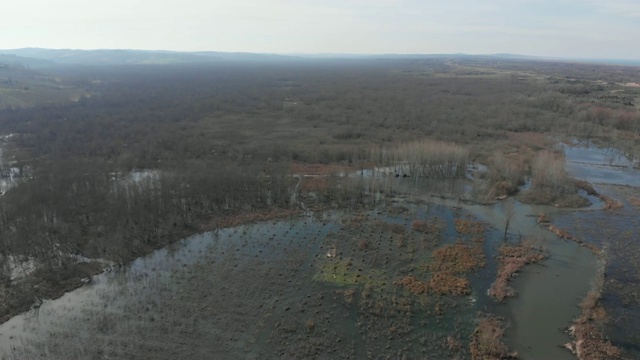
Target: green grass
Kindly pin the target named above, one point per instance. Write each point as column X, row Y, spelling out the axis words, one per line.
column 342, row 273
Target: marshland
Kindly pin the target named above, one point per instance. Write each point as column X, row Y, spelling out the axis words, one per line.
column 455, row 207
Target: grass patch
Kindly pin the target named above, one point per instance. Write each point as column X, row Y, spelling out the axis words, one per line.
column 343, row 273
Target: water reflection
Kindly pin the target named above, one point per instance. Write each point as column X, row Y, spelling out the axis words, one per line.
column 601, row 165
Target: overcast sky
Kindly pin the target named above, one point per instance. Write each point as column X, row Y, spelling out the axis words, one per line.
column 566, row 28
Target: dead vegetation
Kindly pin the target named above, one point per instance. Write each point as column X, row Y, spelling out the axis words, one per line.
column 251, row 217
column 314, row 184
column 634, row 201
column 589, row 343
column 453, row 344
column 530, row 139
column 310, row 325
column 512, row 259
column 441, row 283
column 320, row 169
column 413, row 285
column 563, row 234
column 587, row 330
column 394, row 228
column 469, row 227
column 349, row 295
column 506, row 172
column 426, row 158
column 354, row 222
column 457, row 258
column 610, row 203
column 449, row 260
column 444, row 283
column 486, row 341
column 433, row 226
column 586, row 186
column 543, row 219
column 550, row 183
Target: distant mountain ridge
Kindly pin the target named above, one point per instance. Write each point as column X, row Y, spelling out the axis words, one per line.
column 36, row 56
column 40, row 57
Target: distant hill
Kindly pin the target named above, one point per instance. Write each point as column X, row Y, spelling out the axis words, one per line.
column 28, row 62
column 42, row 58
column 499, row 56
column 24, row 87
column 38, row 57
column 420, row 56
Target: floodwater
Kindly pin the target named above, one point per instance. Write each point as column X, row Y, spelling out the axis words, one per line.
column 270, row 290
column 547, row 298
column 601, row 165
column 617, row 231
column 548, row 292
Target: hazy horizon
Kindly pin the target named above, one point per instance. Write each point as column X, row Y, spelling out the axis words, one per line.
column 575, row 29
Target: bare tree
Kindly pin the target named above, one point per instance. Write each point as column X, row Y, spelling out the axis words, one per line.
column 509, row 210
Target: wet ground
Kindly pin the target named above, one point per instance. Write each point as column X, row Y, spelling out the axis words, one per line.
column 366, row 284
column 322, row 286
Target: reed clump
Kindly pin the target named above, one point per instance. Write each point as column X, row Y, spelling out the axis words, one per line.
column 469, row 227
column 486, row 341
column 457, row 258
column 445, row 283
column 512, row 259
column 434, row 226
column 589, row 342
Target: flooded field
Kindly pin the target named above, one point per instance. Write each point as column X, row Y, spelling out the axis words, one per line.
column 404, row 280
column 326, row 286
column 407, row 279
